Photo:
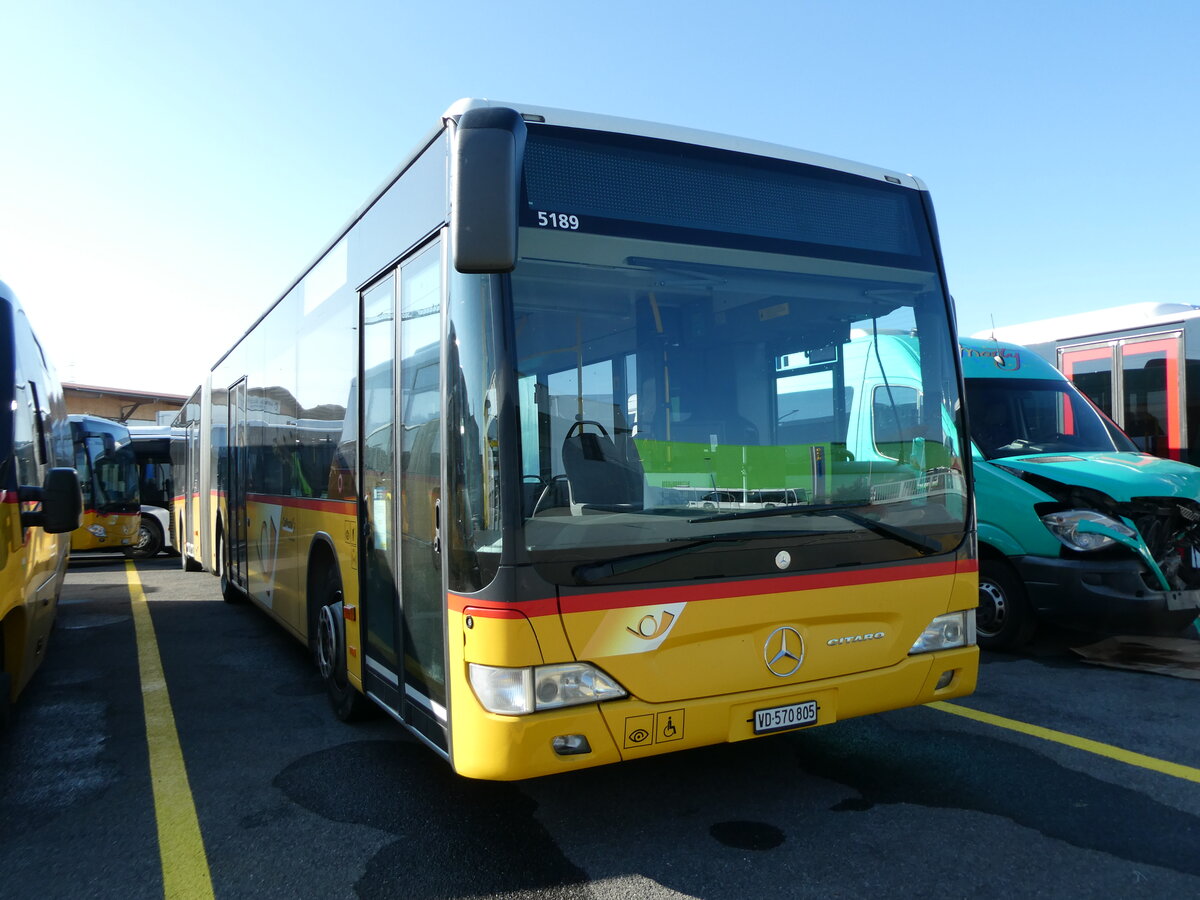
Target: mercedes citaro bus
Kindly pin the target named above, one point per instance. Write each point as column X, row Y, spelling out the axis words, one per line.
column 459, row 456
column 108, row 474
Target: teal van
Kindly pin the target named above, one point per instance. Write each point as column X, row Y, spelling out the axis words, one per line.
column 1076, row 524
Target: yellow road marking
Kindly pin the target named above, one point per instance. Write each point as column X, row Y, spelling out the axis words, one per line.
column 1175, row 770
column 181, row 849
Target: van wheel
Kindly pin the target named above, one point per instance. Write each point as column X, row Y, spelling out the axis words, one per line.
column 330, row 650
column 149, row 541
column 1004, row 619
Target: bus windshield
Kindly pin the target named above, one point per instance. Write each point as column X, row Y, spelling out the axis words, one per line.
column 706, row 396
column 108, row 471
column 1018, row 417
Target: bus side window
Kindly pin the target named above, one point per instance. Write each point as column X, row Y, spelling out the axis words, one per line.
column 895, row 418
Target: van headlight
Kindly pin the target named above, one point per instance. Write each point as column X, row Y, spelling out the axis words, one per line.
column 1084, row 529
column 517, row 692
column 956, row 629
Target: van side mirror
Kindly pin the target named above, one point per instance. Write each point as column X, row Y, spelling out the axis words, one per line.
column 485, row 168
column 62, row 502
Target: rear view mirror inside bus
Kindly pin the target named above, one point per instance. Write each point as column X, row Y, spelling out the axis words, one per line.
column 486, row 170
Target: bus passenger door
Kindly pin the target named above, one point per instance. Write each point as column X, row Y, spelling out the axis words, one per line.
column 402, row 602
column 1152, row 413
column 236, row 501
column 1137, row 382
column 422, row 596
column 1092, row 371
column 188, row 489
column 378, row 598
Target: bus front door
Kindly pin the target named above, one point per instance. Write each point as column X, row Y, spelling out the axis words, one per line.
column 402, row 600
column 189, row 490
column 237, row 512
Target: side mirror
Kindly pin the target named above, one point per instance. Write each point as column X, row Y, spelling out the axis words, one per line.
column 489, row 146
column 62, row 503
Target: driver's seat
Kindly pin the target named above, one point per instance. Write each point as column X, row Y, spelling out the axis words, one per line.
column 603, row 472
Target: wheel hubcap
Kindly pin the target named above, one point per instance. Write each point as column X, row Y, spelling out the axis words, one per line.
column 993, row 608
column 326, row 642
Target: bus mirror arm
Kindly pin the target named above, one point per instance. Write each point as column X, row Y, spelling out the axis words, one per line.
column 61, row 499
column 489, row 146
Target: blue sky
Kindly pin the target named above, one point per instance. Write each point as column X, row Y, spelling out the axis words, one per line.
column 166, row 169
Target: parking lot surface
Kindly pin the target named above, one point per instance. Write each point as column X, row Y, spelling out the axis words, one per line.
column 1057, row 778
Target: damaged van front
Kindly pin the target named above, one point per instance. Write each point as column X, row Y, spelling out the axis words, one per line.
column 1076, row 524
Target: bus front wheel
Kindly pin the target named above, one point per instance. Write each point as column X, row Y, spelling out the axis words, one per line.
column 149, row 541
column 348, row 704
column 1004, row 619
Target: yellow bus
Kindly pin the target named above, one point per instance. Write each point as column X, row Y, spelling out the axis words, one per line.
column 108, row 473
column 40, row 502
column 459, row 455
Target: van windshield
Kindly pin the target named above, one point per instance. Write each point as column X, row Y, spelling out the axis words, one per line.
column 1018, row 417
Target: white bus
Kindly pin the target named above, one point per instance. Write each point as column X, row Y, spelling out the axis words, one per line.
column 1139, row 363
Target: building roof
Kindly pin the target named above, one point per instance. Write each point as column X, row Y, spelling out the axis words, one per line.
column 125, row 392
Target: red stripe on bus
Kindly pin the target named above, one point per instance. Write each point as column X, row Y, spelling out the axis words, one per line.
column 598, row 602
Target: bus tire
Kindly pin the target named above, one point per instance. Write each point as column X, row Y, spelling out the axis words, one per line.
column 230, row 592
column 6, row 706
column 150, row 541
column 188, row 563
column 1004, row 619
column 348, row 703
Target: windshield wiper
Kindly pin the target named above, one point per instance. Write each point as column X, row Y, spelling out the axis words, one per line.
column 925, row 545
column 920, row 542
column 620, row 565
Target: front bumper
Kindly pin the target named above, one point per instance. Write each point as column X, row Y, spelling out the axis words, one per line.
column 1104, row 595
column 498, row 747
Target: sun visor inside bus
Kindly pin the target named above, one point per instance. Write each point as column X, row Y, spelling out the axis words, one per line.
column 488, row 148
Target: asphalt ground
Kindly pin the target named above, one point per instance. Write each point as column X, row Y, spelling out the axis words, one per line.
column 222, row 772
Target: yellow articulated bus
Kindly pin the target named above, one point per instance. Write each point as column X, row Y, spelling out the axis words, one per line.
column 40, row 502
column 460, row 455
column 108, row 473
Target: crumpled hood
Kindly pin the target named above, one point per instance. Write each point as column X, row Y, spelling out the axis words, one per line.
column 1121, row 476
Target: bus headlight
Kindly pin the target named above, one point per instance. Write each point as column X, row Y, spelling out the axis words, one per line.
column 956, row 629
column 1086, row 529
column 516, row 692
